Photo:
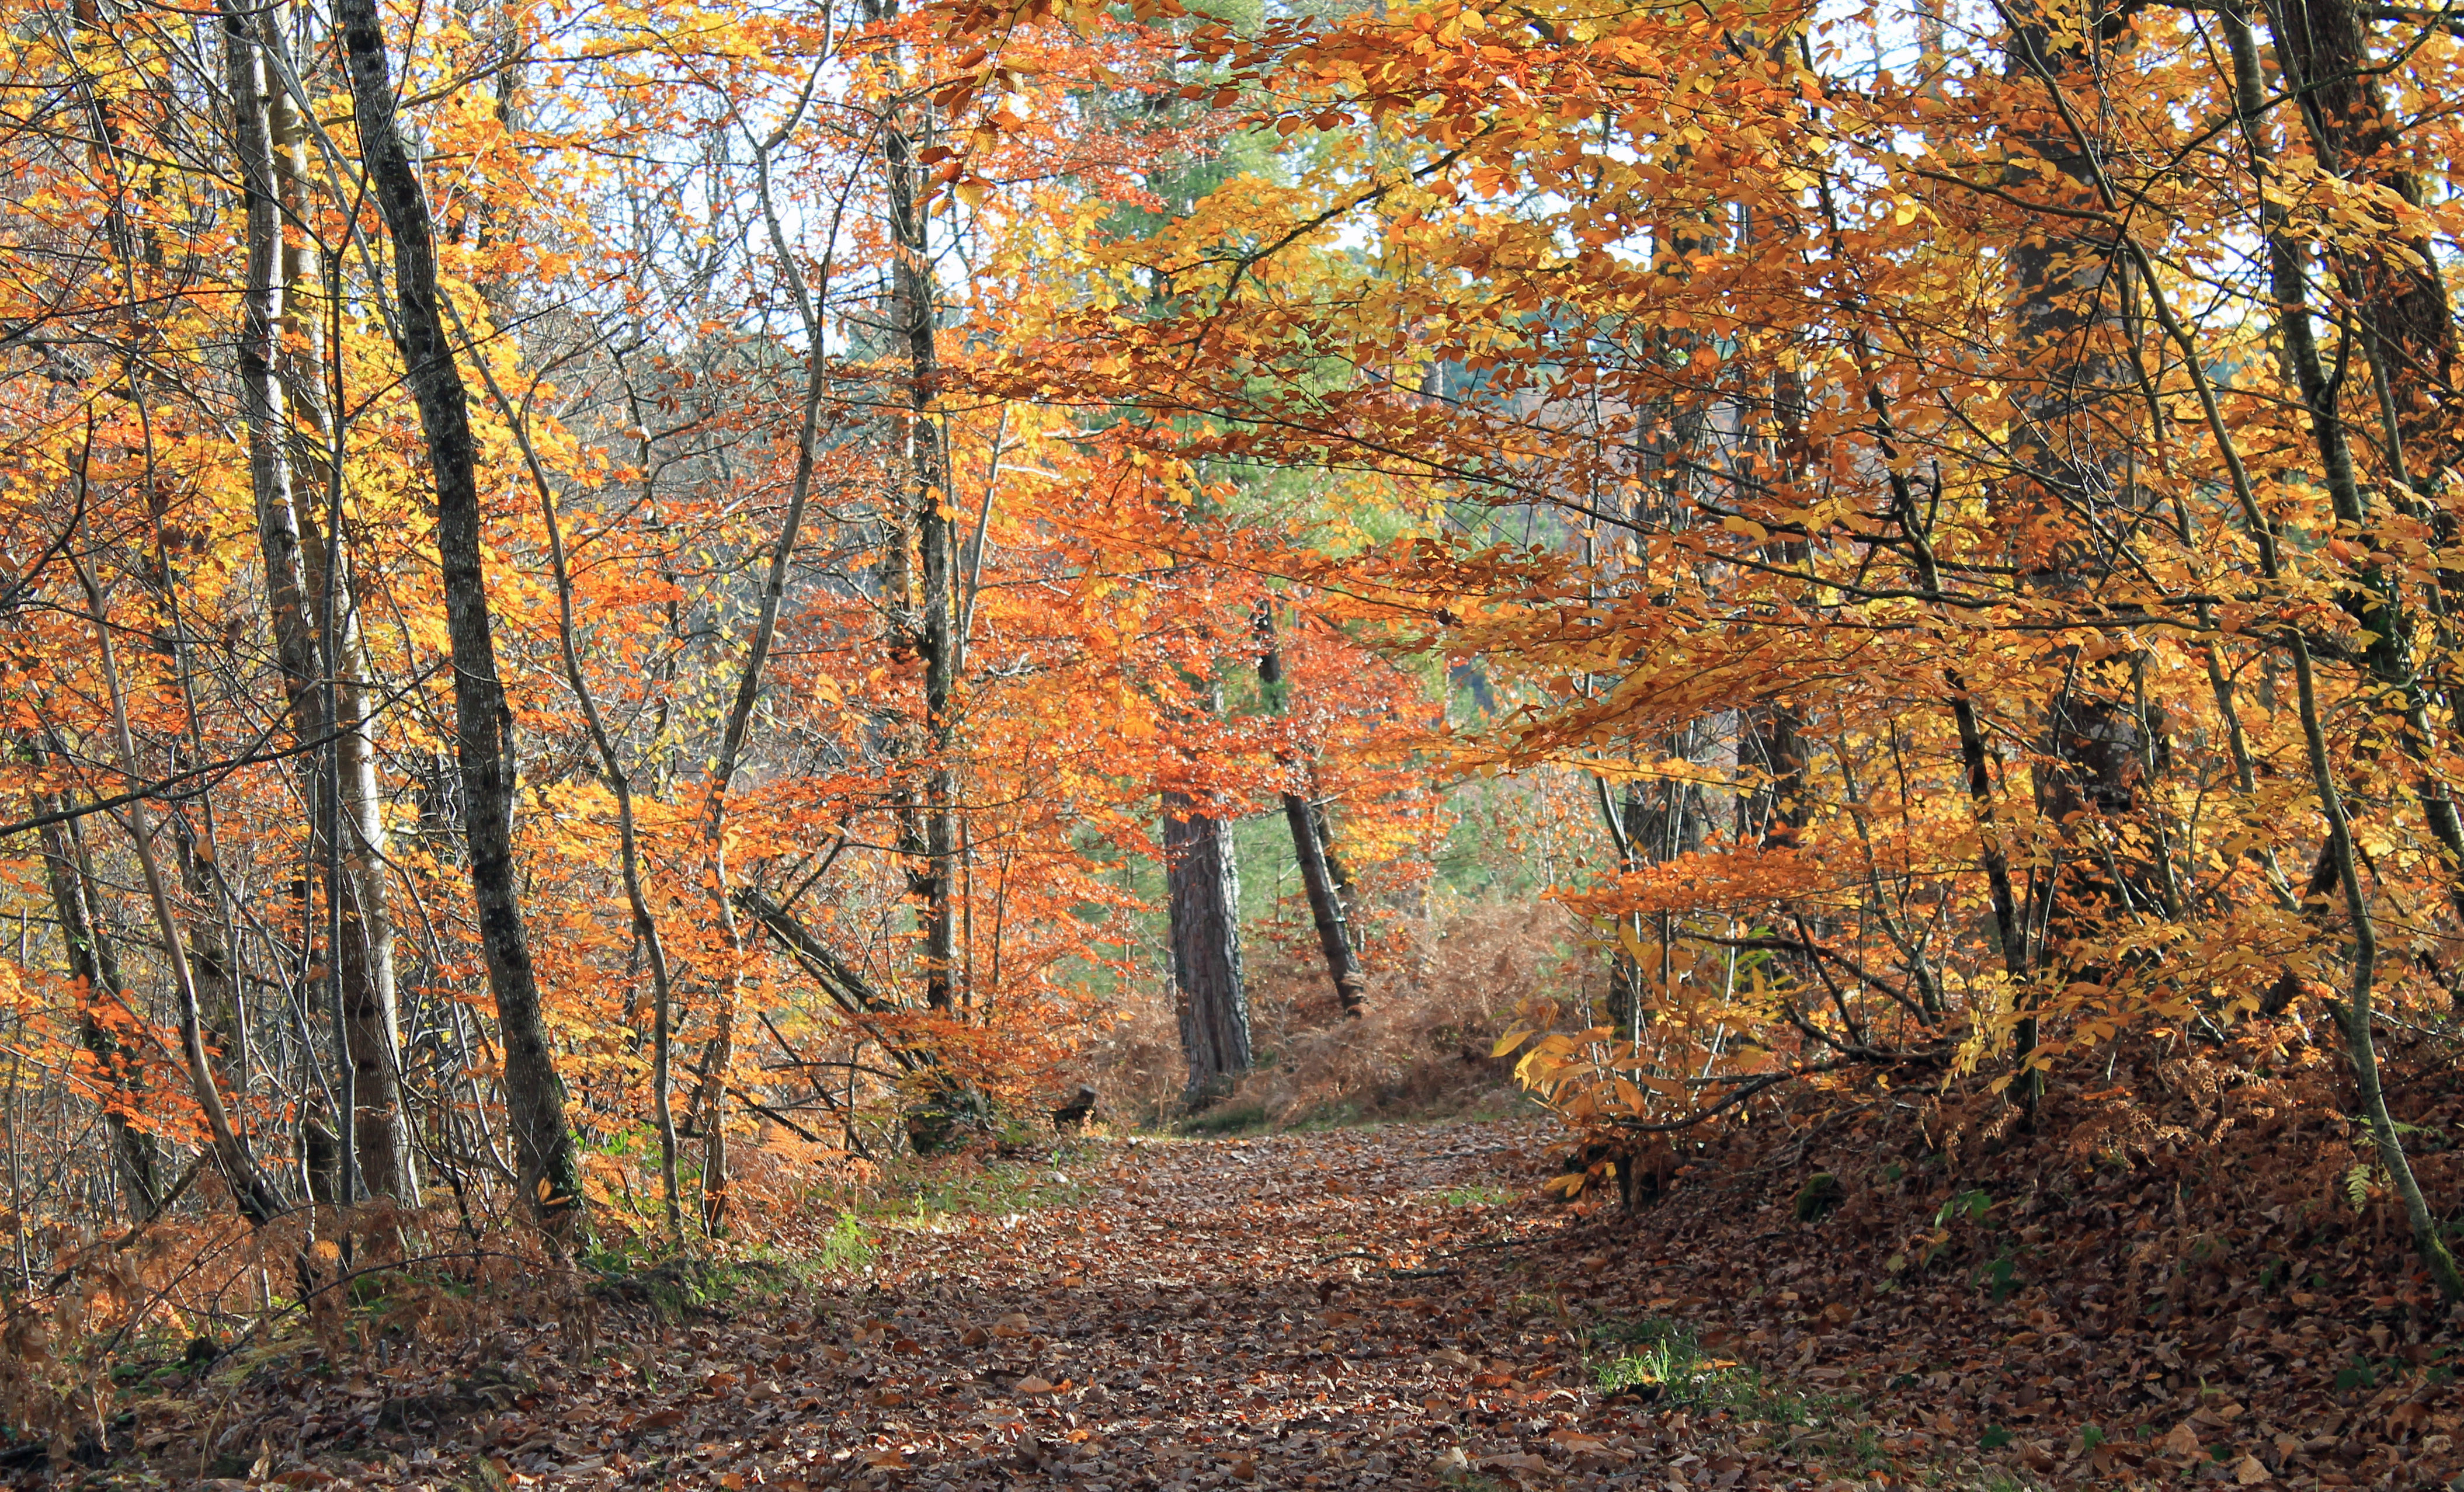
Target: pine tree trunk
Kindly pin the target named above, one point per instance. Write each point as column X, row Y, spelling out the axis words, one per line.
column 1308, row 849
column 1204, row 885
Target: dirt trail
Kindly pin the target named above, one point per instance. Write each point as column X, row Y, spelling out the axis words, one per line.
column 1391, row 1307
column 1399, row 1307
column 1290, row 1311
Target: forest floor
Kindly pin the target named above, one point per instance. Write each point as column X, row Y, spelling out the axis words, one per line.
column 1397, row 1306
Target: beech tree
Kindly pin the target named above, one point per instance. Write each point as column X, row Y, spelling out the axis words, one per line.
column 789, row 548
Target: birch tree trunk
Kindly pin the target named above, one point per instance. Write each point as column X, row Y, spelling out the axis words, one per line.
column 315, row 623
column 371, row 988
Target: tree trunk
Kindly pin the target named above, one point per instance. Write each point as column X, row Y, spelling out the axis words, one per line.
column 224, row 1018
column 645, row 926
column 257, row 1200
column 352, row 851
column 2407, row 340
column 1628, row 979
column 648, row 941
column 2069, row 284
column 1204, row 887
column 1347, row 895
column 718, row 1055
column 1317, row 874
column 339, row 778
column 1325, row 907
column 1651, row 821
column 2323, row 48
column 914, row 317
column 2067, row 294
column 2377, row 602
column 355, row 870
column 550, row 1171
column 95, row 966
column 2361, row 1046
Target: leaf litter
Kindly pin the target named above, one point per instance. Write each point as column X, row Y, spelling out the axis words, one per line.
column 1405, row 1307
column 1304, row 1310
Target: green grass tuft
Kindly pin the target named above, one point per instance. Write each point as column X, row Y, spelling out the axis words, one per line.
column 848, row 1247
column 935, row 1189
column 1667, row 1361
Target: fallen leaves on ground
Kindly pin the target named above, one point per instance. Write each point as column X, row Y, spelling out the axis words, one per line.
column 1293, row 1311
column 1338, row 1309
column 1367, row 1310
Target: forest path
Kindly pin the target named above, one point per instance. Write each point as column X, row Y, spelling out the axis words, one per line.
column 1390, row 1307
column 1329, row 1309
column 1397, row 1308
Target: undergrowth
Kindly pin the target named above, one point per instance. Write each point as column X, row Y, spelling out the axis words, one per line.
column 703, row 1275
column 918, row 1193
column 1438, row 1001
column 1225, row 1119
column 848, row 1247
column 1664, row 1362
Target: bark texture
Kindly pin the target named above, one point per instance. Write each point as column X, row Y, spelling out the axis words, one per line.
column 2070, row 487
column 2389, row 659
column 1326, row 897
column 483, row 722
column 936, row 609
column 354, row 864
column 1204, row 885
column 2323, row 49
column 315, row 631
